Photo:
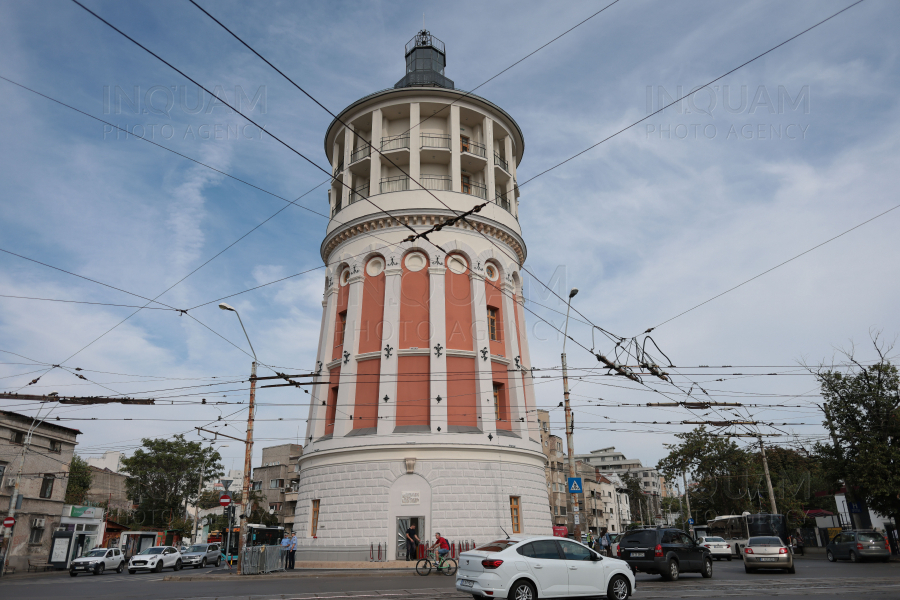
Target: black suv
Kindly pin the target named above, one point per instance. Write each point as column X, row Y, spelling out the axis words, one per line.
column 666, row 552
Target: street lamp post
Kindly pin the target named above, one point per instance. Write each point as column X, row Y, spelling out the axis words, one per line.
column 248, row 452
column 569, row 437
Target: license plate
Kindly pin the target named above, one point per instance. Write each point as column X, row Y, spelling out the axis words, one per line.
column 768, row 560
column 466, row 583
column 637, row 555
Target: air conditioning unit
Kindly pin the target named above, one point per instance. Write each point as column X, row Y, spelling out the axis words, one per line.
column 38, row 523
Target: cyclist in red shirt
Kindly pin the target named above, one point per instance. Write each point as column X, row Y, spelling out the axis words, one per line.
column 442, row 543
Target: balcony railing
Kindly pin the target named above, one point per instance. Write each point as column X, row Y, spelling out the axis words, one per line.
column 473, row 148
column 395, row 184
column 395, row 142
column 501, row 199
column 498, row 160
column 360, row 154
column 359, row 193
column 338, row 169
column 438, row 183
column 475, row 189
column 435, row 140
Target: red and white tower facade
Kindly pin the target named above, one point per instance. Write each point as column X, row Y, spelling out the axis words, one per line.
column 424, row 409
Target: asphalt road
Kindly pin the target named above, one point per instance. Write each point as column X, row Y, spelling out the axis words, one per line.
column 815, row 577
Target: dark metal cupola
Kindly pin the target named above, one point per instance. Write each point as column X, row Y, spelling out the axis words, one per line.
column 425, row 62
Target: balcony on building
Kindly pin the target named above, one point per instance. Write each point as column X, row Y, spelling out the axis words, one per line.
column 360, row 192
column 398, row 183
column 395, row 148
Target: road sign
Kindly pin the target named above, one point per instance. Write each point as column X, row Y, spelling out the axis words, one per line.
column 575, row 486
column 690, row 521
column 226, row 483
column 9, row 522
column 225, row 500
column 855, row 507
column 577, row 520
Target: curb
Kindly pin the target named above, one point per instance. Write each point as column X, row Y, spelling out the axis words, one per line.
column 300, row 575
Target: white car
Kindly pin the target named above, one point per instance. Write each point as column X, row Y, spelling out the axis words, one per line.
column 718, row 547
column 527, row 568
column 98, row 560
column 155, row 559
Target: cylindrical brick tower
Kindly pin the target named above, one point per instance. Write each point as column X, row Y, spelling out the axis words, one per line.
column 424, row 410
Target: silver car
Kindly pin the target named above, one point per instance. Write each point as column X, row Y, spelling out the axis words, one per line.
column 98, row 560
column 767, row 552
column 200, row 555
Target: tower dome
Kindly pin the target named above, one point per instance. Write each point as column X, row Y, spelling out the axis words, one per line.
column 423, row 409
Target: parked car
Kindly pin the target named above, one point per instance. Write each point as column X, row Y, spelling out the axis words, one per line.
column 857, row 545
column 527, row 568
column 98, row 560
column 718, row 547
column 767, row 552
column 666, row 552
column 200, row 555
column 155, row 559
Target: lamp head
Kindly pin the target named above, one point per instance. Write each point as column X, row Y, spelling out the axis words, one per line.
column 571, row 294
column 224, row 306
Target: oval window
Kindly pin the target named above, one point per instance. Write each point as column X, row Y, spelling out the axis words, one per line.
column 416, row 261
column 375, row 266
column 457, row 264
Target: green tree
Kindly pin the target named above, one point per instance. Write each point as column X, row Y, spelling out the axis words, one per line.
column 164, row 474
column 635, row 497
column 80, row 478
column 862, row 414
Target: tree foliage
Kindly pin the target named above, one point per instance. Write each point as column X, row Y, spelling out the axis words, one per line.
column 164, row 473
column 863, row 403
column 635, row 496
column 80, row 479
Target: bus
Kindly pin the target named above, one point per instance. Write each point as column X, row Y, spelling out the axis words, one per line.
column 260, row 535
column 738, row 529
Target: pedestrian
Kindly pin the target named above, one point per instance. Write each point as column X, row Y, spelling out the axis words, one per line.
column 285, row 546
column 605, row 541
column 293, row 550
column 412, row 542
column 798, row 540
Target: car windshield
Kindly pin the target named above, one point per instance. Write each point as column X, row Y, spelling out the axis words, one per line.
column 498, row 546
column 101, row 552
column 152, row 551
column 641, row 539
column 870, row 537
column 714, row 539
column 764, row 541
column 197, row 548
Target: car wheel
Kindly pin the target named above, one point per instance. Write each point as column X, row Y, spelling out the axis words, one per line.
column 830, row 556
column 203, row 563
column 218, row 560
column 617, row 589
column 158, row 568
column 791, row 570
column 747, row 569
column 522, row 590
column 131, row 571
column 99, row 569
column 73, row 573
column 120, row 568
column 707, row 569
column 672, row 571
column 853, row 557
column 177, row 566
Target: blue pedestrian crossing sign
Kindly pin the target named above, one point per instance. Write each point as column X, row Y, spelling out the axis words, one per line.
column 575, row 486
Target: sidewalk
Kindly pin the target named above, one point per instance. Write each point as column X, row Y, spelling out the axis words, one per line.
column 391, row 568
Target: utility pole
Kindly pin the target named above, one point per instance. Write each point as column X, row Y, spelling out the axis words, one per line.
column 680, row 507
column 687, row 500
column 570, row 443
column 762, row 450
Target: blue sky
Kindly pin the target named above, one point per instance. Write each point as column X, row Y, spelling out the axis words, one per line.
column 658, row 219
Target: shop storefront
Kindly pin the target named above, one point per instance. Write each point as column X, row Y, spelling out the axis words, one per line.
column 81, row 529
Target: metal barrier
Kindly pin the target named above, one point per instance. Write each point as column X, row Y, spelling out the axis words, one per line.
column 257, row 560
column 378, row 554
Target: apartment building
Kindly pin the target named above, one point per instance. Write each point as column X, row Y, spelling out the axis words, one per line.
column 278, row 480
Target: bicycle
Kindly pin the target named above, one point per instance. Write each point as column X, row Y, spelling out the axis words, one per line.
column 441, row 564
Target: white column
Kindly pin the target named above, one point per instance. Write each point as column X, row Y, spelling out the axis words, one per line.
column 335, row 196
column 438, row 326
column 415, row 144
column 510, row 184
column 346, row 400
column 514, row 390
column 387, row 411
column 375, row 164
column 455, row 168
column 347, row 175
column 484, row 384
column 319, row 393
column 489, row 178
column 525, row 360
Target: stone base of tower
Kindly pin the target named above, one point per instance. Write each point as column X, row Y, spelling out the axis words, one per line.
column 365, row 497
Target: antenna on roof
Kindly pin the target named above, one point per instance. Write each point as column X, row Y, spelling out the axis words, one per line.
column 504, row 531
